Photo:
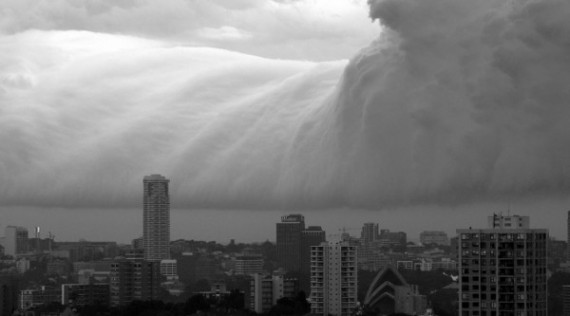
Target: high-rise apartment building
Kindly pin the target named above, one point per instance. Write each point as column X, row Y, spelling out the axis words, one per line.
column 156, row 218
column 15, row 240
column 266, row 290
column 502, row 271
column 134, row 279
column 288, row 241
column 312, row 236
column 334, row 280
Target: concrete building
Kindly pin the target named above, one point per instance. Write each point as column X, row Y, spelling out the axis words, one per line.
column 568, row 240
column 312, row 236
column 265, row 290
column 502, row 271
column 15, row 241
column 368, row 235
column 134, row 280
column 434, row 237
column 288, row 241
column 156, row 218
column 394, row 240
column 247, row 264
column 9, row 290
column 30, row 298
column 508, row 222
column 566, row 300
column 169, row 269
column 334, row 280
column 85, row 294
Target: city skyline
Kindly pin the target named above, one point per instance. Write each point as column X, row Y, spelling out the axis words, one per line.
column 265, row 108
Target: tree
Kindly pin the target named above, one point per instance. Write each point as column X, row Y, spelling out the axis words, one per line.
column 196, row 303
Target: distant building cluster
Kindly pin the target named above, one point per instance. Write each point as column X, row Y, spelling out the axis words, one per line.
column 501, row 269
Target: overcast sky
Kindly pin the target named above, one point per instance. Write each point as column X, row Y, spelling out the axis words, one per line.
column 387, row 109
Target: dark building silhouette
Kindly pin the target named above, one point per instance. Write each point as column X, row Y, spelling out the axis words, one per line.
column 566, row 300
column 288, row 241
column 85, row 294
column 134, row 279
column 312, row 236
column 8, row 295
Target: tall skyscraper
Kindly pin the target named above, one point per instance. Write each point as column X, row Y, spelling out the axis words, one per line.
column 568, row 241
column 288, row 241
column 15, row 240
column 156, row 218
column 334, row 279
column 368, row 236
column 312, row 236
column 502, row 271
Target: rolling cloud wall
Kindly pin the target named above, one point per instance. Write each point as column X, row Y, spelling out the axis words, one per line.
column 456, row 100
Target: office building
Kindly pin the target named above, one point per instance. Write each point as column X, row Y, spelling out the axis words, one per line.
column 288, row 241
column 312, row 236
column 15, row 241
column 30, row 298
column 394, row 240
column 568, row 241
column 508, row 222
column 134, row 279
column 566, row 300
column 434, row 238
column 156, row 218
column 85, row 294
column 169, row 269
column 247, row 264
column 9, row 289
column 502, row 270
column 265, row 290
column 334, row 281
column 368, row 236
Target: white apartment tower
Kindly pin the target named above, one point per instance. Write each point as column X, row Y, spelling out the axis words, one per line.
column 333, row 279
column 156, row 218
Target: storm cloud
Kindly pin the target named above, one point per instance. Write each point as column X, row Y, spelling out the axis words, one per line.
column 455, row 100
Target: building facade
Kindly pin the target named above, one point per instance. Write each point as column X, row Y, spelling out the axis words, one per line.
column 508, row 222
column 312, row 236
column 85, row 294
column 368, row 235
column 502, row 271
column 156, row 218
column 434, row 237
column 15, row 241
column 334, row 279
column 265, row 290
column 288, row 241
column 134, row 279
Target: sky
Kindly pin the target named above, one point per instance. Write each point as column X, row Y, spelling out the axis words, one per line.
column 417, row 114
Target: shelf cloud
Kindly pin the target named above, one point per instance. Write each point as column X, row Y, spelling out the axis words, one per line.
column 455, row 101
